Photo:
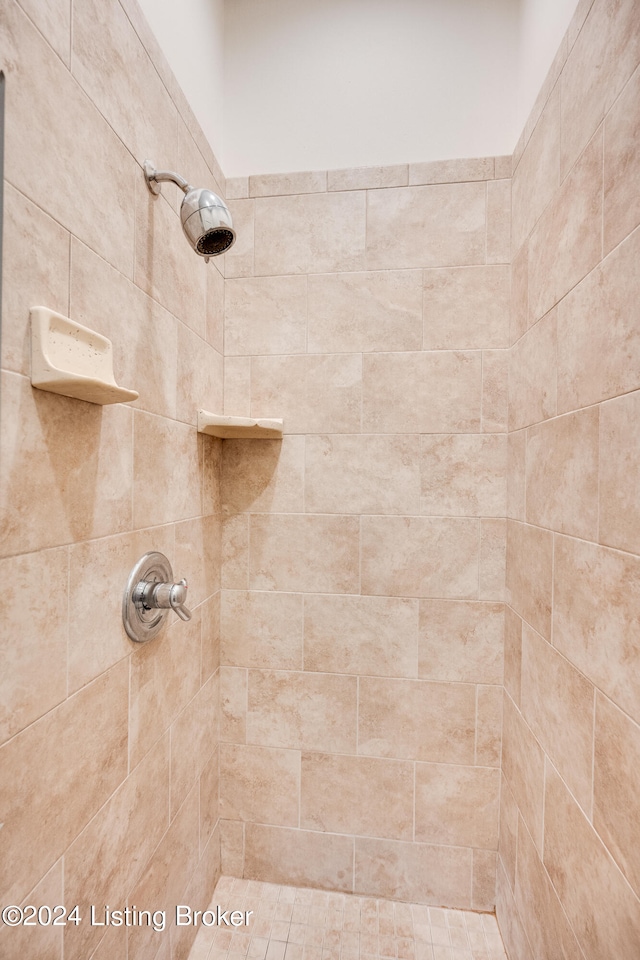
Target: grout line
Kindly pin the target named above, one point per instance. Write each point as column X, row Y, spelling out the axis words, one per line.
column 593, row 756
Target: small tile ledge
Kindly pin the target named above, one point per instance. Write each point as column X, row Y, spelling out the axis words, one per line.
column 238, row 428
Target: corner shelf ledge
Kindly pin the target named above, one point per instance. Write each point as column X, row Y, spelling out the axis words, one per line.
column 72, row 360
column 238, row 428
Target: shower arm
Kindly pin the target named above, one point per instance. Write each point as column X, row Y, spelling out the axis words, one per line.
column 155, row 177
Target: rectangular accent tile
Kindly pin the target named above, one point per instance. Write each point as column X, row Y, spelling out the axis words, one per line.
column 365, row 312
column 420, row 557
column 441, row 392
column 377, row 636
column 362, row 474
column 374, row 798
column 303, row 711
column 457, row 805
column 466, row 308
column 416, row 720
column 461, row 641
column 426, row 226
column 314, row 554
column 596, row 606
column 317, row 233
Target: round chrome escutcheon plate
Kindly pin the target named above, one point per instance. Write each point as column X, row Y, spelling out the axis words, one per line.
column 141, row 623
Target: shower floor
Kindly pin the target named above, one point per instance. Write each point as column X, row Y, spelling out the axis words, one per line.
column 292, row 923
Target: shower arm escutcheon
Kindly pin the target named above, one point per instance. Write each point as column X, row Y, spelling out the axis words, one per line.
column 149, row 595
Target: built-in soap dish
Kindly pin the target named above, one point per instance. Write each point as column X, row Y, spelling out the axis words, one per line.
column 238, row 428
column 70, row 359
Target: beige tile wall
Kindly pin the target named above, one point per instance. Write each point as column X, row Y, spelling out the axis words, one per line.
column 109, row 756
column 568, row 877
column 364, row 554
column 339, row 704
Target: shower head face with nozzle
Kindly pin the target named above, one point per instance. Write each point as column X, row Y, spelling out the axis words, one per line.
column 205, row 217
column 206, row 222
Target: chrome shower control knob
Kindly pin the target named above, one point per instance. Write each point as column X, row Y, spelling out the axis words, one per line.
column 161, row 596
column 149, row 594
column 177, row 597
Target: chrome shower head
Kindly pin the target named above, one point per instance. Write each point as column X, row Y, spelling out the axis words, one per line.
column 205, row 217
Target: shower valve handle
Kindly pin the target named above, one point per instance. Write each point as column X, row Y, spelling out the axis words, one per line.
column 161, row 596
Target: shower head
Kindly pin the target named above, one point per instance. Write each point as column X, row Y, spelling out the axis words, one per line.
column 205, row 217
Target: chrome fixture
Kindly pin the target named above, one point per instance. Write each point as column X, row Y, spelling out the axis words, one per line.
column 205, row 217
column 150, row 593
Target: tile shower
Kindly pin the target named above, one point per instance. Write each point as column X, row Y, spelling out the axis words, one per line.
column 411, row 672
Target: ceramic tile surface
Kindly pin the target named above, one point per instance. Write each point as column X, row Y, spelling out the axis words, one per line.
column 302, row 923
